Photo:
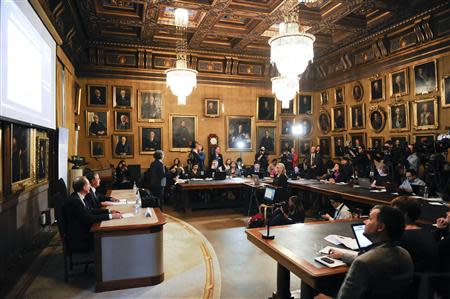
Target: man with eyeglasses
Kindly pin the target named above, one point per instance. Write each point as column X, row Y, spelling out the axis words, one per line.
column 411, row 179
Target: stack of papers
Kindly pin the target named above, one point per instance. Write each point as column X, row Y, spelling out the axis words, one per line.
column 326, row 250
column 346, row 241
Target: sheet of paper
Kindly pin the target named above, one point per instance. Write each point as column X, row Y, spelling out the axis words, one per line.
column 128, row 215
column 333, row 239
column 118, row 203
column 346, row 241
column 327, row 249
column 436, row 203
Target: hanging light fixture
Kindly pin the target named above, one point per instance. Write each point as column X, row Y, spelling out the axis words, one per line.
column 181, row 79
column 285, row 89
column 291, row 50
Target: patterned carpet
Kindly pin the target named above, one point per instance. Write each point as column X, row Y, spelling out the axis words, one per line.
column 190, row 265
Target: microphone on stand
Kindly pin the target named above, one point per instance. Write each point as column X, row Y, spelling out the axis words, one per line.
column 268, row 236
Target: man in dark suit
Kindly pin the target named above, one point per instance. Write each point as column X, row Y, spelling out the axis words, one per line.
column 80, row 218
column 95, row 199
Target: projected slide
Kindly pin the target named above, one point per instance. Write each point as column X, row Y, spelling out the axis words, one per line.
column 28, row 54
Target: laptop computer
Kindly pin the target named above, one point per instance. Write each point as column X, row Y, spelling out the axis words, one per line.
column 256, row 179
column 269, row 195
column 418, row 189
column 364, row 183
column 361, row 240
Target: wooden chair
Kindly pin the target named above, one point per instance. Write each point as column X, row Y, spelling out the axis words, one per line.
column 82, row 258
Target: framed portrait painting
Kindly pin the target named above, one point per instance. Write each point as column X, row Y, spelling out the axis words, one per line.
column 306, row 126
column 358, row 117
column 357, row 91
column 377, row 118
column 425, row 78
column 400, row 140
column 290, row 110
column 42, row 156
column 122, row 120
column 339, row 145
column 399, row 83
column 304, row 146
column 377, row 143
column 150, row 106
column 305, row 104
column 182, row 132
column 425, row 114
column 324, row 122
column 286, row 126
column 150, row 140
column 266, row 107
column 424, row 138
column 239, row 133
column 266, row 136
column 377, row 90
column 97, row 148
column 97, row 123
column 358, row 139
column 97, row 95
column 123, row 96
column 212, row 107
column 445, row 91
column 325, row 145
column 339, row 95
column 324, row 97
column 286, row 144
column 398, row 115
column 23, row 152
column 338, row 118
column 123, row 146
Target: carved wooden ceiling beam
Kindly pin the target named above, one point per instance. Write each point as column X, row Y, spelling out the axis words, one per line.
column 150, row 22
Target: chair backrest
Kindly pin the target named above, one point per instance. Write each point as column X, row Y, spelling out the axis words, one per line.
column 60, row 200
column 134, row 171
column 60, row 187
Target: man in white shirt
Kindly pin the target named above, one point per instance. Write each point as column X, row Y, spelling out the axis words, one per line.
column 411, row 179
column 341, row 210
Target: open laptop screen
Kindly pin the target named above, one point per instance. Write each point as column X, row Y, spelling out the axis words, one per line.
column 361, row 240
column 269, row 194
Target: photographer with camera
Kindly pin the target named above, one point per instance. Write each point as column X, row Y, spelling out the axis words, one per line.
column 361, row 162
column 289, row 213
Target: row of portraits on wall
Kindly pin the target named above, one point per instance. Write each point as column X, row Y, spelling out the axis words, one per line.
column 425, row 116
column 29, row 157
column 425, row 82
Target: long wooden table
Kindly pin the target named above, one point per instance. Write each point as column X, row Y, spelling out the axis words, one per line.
column 129, row 251
column 294, row 249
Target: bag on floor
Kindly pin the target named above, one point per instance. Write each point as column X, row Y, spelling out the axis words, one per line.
column 256, row 220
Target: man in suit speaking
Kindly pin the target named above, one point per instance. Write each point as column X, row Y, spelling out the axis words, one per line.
column 80, row 218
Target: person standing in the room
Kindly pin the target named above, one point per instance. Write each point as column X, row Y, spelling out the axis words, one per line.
column 261, row 158
column 158, row 173
column 201, row 157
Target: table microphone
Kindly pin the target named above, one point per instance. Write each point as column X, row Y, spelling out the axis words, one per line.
column 267, row 236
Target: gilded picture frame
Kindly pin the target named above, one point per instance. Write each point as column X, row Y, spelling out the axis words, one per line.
column 399, row 84
column 425, row 78
column 306, row 123
column 361, row 136
column 339, row 118
column 357, row 91
column 212, row 107
column 286, row 141
column 123, row 96
column 424, row 138
column 150, row 106
column 41, row 158
column 23, row 153
column 338, row 145
column 325, row 145
column 286, row 126
column 97, row 95
column 123, row 120
column 97, row 148
column 357, row 116
column 266, row 108
column 324, row 121
column 267, row 136
column 239, row 133
column 99, row 129
column 445, row 91
column 305, row 104
column 376, row 142
column 122, row 146
column 403, row 139
column 77, row 100
column 425, row 113
column 378, row 88
column 377, row 118
column 398, row 117
column 150, row 140
column 304, row 146
column 324, row 97
column 183, row 130
column 339, row 95
column 292, row 108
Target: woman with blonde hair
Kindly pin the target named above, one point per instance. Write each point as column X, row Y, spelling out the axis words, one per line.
column 280, row 178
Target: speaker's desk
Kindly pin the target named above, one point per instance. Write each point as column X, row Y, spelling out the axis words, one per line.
column 129, row 251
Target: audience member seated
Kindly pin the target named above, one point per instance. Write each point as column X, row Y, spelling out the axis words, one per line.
column 256, row 169
column 341, row 210
column 419, row 242
column 442, row 235
column 96, row 200
column 234, row 170
column 346, row 170
column 240, row 165
column 381, row 178
column 194, row 173
column 80, row 218
column 336, row 175
column 411, row 179
column 271, row 169
column 385, row 270
column 176, row 170
column 227, row 164
column 292, row 212
column 121, row 176
column 213, row 169
column 280, row 178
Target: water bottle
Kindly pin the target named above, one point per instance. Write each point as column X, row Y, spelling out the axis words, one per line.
column 135, row 188
column 425, row 192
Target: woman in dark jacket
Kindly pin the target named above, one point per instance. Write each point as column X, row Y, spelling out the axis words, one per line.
column 158, row 174
column 280, row 179
column 291, row 213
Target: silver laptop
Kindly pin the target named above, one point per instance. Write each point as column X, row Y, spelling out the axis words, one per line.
column 364, row 183
column 361, row 240
column 256, row 179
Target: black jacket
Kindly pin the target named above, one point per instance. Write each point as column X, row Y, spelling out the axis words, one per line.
column 79, row 222
column 93, row 200
column 281, row 181
column 157, row 172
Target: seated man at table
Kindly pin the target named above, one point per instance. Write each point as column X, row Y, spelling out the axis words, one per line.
column 411, row 179
column 95, row 199
column 256, row 169
column 341, row 210
column 80, row 218
column 385, row 270
column 213, row 169
column 382, row 178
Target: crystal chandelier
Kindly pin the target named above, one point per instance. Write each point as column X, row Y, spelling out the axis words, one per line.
column 181, row 80
column 291, row 50
column 285, row 89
